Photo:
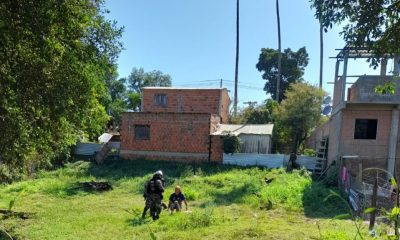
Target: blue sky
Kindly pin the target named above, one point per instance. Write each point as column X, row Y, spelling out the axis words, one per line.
column 194, row 40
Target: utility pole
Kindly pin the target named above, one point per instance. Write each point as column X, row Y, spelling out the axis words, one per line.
column 220, row 83
column 237, row 60
column 321, row 53
column 250, row 103
column 278, row 77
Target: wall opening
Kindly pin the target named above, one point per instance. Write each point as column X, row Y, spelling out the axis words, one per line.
column 160, row 100
column 365, row 128
column 142, row 132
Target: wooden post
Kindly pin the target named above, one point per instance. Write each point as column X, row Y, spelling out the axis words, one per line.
column 373, row 203
column 396, row 224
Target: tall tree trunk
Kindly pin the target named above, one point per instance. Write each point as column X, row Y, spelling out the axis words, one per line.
column 278, row 77
column 235, row 100
column 321, row 54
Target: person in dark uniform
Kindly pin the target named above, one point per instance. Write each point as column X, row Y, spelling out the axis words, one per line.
column 153, row 195
column 176, row 199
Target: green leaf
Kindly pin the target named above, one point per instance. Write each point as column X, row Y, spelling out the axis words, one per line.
column 395, row 211
column 369, row 210
column 11, row 204
column 393, row 182
column 153, row 236
column 343, row 216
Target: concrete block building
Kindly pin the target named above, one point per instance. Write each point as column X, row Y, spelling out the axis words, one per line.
column 176, row 124
column 364, row 124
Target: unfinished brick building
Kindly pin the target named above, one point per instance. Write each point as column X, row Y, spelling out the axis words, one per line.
column 364, row 124
column 175, row 124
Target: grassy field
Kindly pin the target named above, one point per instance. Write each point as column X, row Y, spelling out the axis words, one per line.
column 225, row 202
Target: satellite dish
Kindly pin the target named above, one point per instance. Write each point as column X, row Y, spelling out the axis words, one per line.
column 327, row 100
column 327, row 110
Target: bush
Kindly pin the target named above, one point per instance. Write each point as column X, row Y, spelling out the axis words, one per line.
column 7, row 174
column 199, row 219
column 310, row 152
column 332, row 176
column 231, row 143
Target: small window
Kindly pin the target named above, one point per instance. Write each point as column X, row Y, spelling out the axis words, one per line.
column 142, row 132
column 160, row 100
column 365, row 129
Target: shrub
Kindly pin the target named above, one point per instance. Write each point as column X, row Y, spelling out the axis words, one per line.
column 231, row 143
column 332, row 176
column 310, row 152
column 199, row 219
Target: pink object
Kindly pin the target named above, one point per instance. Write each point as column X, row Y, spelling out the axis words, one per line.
column 344, row 174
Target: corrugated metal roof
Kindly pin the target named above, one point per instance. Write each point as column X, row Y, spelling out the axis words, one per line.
column 105, row 137
column 236, row 129
column 87, row 149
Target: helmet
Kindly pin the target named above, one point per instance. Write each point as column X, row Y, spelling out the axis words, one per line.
column 158, row 174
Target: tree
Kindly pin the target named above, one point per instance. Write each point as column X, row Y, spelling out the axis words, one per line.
column 55, row 57
column 371, row 24
column 299, row 112
column 293, row 65
column 134, row 101
column 138, row 79
column 118, row 100
column 261, row 114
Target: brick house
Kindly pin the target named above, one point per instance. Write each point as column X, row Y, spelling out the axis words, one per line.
column 364, row 125
column 175, row 124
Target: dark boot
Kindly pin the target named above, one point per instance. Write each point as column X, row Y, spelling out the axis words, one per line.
column 164, row 205
column 144, row 212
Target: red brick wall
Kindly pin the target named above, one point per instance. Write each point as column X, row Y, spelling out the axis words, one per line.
column 173, row 136
column 216, row 149
column 214, row 121
column 366, row 148
column 225, row 102
column 212, row 101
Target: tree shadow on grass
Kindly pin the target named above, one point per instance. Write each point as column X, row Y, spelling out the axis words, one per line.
column 317, row 204
column 118, row 169
column 138, row 221
column 235, row 195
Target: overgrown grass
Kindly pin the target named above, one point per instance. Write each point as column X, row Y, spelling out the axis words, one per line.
column 225, row 202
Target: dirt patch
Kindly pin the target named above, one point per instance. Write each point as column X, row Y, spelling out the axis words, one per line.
column 95, row 186
column 7, row 214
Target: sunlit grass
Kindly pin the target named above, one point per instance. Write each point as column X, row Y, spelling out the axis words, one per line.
column 225, row 202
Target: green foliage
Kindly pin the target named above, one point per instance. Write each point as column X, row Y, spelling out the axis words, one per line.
column 368, row 24
column 230, row 204
column 231, row 143
column 387, row 88
column 261, row 114
column 55, row 57
column 293, row 65
column 332, row 176
column 310, row 152
column 8, row 173
column 117, row 101
column 299, row 113
column 134, row 101
column 12, row 202
column 138, row 79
